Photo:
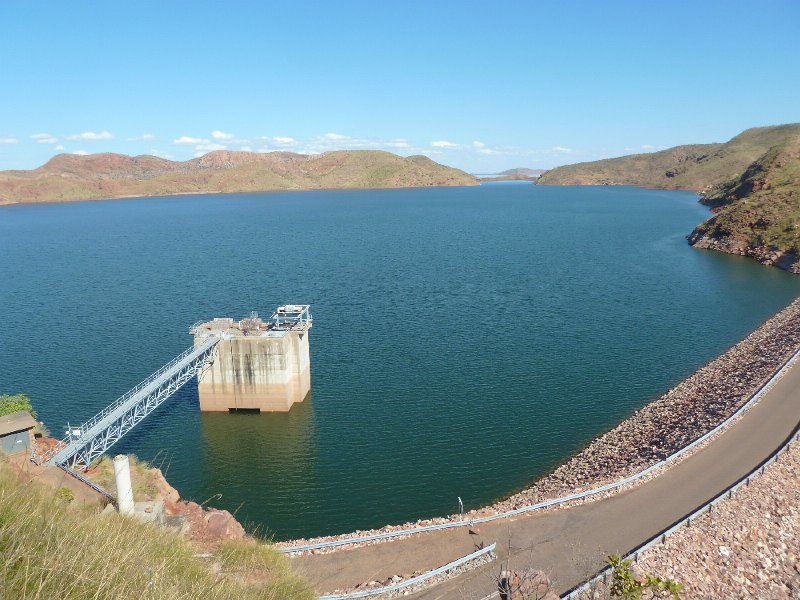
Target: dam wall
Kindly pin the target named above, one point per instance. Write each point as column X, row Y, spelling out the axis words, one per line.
column 259, row 365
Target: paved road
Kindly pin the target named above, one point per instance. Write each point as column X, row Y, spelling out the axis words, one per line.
column 570, row 544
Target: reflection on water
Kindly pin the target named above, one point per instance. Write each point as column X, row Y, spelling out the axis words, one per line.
column 244, row 450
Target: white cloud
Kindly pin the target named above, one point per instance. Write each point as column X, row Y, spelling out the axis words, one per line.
column 160, row 154
column 482, row 148
column 80, row 152
column 336, row 141
column 562, row 150
column 277, row 142
column 145, row 137
column 221, row 135
column 8, row 139
column 399, row 144
column 445, row 144
column 44, row 138
column 476, row 147
column 91, row 136
column 209, row 147
column 327, row 142
column 185, row 139
column 59, row 147
column 648, row 147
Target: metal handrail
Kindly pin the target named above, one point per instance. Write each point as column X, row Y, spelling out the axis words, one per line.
column 90, row 483
column 120, row 402
column 556, row 501
column 687, row 520
column 414, row 580
column 137, row 388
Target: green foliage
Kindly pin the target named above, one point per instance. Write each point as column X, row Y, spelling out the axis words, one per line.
column 761, row 207
column 51, row 550
column 625, row 585
column 11, row 404
column 65, row 494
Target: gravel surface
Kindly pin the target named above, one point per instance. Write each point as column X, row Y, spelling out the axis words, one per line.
column 747, row 547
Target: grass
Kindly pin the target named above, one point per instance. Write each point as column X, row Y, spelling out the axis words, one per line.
column 102, row 473
column 762, row 206
column 51, row 548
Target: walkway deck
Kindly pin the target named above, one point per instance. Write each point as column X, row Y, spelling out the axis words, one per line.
column 571, row 544
column 85, row 443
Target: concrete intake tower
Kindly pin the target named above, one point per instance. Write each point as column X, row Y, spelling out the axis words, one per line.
column 259, row 365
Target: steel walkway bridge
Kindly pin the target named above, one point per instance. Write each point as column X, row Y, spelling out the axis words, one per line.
column 85, row 443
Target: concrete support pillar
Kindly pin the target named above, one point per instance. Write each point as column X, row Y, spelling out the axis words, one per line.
column 122, row 474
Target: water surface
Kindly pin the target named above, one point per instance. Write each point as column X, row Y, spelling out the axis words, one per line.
column 465, row 340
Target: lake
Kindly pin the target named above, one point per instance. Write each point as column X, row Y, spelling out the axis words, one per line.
column 465, row 340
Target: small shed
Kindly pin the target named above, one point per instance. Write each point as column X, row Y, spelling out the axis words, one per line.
column 16, row 432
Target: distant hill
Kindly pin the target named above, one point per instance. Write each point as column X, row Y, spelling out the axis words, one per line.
column 68, row 177
column 752, row 183
column 524, row 172
column 693, row 167
column 519, row 174
column 758, row 212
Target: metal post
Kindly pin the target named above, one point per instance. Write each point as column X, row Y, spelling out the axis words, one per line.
column 122, row 474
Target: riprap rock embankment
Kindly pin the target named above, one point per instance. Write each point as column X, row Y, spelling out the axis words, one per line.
column 686, row 412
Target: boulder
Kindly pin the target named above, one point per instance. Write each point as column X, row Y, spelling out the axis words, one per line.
column 221, row 525
column 528, row 584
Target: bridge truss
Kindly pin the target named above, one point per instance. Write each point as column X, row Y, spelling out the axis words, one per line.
column 84, row 444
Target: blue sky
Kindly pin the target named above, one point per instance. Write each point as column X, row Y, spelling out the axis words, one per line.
column 483, row 86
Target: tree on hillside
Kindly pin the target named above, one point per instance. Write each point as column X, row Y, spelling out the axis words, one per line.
column 11, row 404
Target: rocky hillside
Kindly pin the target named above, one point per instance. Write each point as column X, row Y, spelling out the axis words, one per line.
column 69, row 177
column 693, row 167
column 758, row 212
column 752, row 183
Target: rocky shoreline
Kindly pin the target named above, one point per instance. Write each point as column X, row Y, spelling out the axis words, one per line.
column 766, row 255
column 691, row 409
column 747, row 547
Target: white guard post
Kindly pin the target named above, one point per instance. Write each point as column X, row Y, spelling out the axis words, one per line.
column 122, row 474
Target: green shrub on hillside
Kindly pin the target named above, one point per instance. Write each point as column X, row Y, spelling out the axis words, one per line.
column 625, row 585
column 65, row 494
column 11, row 404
